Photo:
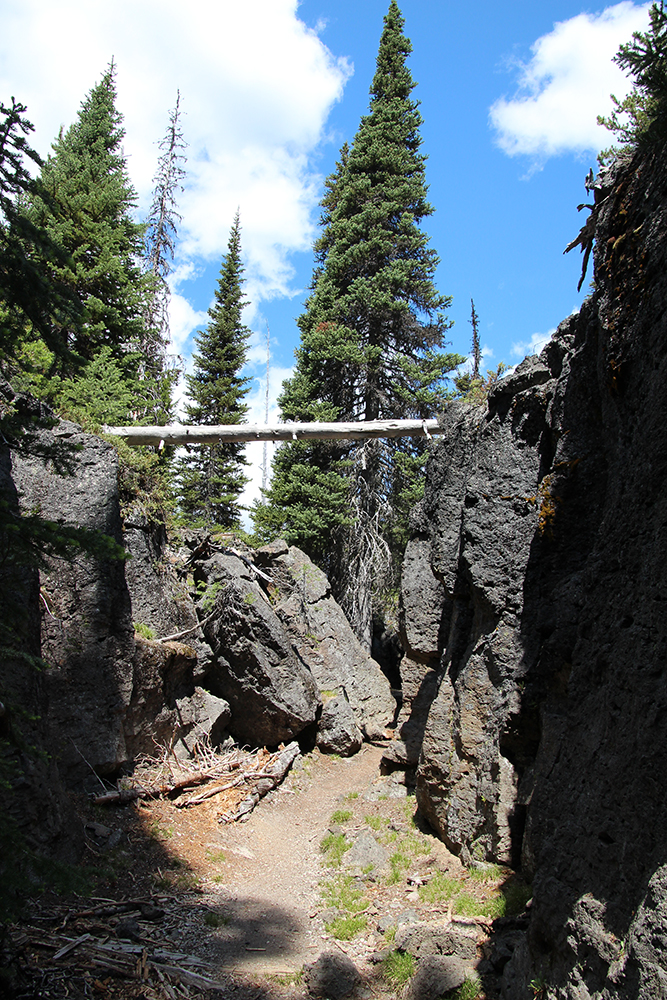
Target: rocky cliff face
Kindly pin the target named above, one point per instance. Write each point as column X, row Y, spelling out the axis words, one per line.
column 172, row 646
column 537, row 693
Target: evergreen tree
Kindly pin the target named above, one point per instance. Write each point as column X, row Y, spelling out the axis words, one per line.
column 211, row 476
column 371, row 346
column 86, row 178
column 31, row 305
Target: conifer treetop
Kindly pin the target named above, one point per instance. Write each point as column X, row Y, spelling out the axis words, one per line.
column 392, row 77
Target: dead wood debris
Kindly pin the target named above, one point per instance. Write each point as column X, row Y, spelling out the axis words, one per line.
column 254, row 774
column 97, row 953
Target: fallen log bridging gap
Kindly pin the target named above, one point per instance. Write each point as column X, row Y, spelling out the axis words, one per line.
column 181, row 434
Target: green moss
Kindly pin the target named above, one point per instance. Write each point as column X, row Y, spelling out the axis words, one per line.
column 145, row 631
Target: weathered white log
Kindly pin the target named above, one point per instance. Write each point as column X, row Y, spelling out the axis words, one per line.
column 180, row 434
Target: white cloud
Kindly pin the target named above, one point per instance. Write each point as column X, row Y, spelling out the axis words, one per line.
column 256, row 85
column 566, row 85
column 523, row 348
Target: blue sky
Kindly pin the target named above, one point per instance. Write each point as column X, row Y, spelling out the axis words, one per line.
column 271, row 89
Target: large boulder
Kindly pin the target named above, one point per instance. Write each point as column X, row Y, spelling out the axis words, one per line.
column 273, row 696
column 166, row 707
column 324, row 640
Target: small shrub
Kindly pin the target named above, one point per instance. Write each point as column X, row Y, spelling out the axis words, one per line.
column 399, row 967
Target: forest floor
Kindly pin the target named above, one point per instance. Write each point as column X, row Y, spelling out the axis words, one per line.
column 330, row 862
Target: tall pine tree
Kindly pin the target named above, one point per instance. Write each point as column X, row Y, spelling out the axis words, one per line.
column 211, row 477
column 86, row 177
column 371, row 347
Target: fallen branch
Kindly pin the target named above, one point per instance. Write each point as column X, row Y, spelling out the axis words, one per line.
column 272, row 775
column 187, row 631
column 124, row 795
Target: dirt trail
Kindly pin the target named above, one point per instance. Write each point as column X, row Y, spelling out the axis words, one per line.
column 272, row 866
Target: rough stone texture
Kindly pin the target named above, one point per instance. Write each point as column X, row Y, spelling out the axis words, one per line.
column 87, row 635
column 436, row 975
column 165, row 706
column 437, row 937
column 159, row 599
column 366, row 852
column 546, row 513
column 323, row 638
column 423, row 612
column 338, row 731
column 273, row 696
column 332, row 975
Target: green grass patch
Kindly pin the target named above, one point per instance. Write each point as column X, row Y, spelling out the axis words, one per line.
column 215, row 919
column 487, row 873
column 215, row 857
column 399, row 967
column 333, row 847
column 343, row 893
column 344, row 928
column 351, row 796
column 376, row 822
column 516, row 893
column 398, row 863
column 468, row 905
column 288, row 978
column 390, row 934
column 441, row 888
column 341, row 816
column 469, row 990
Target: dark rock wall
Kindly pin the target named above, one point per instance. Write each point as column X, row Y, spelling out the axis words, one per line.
column 546, row 518
column 86, row 636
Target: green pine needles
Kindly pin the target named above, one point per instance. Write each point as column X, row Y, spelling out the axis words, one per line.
column 211, row 477
column 86, row 179
column 371, row 348
column 641, row 117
